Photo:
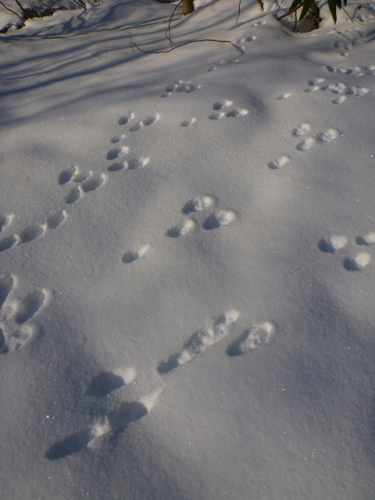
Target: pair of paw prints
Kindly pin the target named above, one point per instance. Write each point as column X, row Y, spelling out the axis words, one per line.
column 30, row 233
column 114, row 421
column 200, row 203
column 306, row 143
column 15, row 331
column 180, row 86
column 352, row 71
column 342, row 90
column 353, row 39
column 332, row 244
column 222, row 108
column 134, row 127
column 85, row 182
column 215, row 331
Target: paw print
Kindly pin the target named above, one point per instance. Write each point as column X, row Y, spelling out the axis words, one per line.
column 358, row 260
column 15, row 331
column 200, row 204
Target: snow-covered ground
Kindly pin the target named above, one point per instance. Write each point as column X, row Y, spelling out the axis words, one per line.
column 187, row 256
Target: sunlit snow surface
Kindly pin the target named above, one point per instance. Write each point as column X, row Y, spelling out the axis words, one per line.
column 187, row 256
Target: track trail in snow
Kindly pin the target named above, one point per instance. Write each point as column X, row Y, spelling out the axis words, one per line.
column 203, row 212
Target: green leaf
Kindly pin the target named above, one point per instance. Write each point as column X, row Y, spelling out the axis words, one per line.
column 295, row 4
column 306, row 8
column 332, row 8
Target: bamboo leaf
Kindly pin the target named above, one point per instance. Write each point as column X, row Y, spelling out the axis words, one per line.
column 295, row 4
column 332, row 8
column 306, row 8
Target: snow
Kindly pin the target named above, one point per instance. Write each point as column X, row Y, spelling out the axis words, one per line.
column 187, row 255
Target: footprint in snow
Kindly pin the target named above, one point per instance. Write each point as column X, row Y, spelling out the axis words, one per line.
column 188, row 122
column 131, row 164
column 67, row 175
column 366, row 240
column 14, row 315
column 117, row 152
column 182, row 228
column 180, row 86
column 114, row 422
column 302, row 129
column 218, row 219
column 33, row 232
column 91, row 183
column 117, row 138
column 232, row 113
column 144, row 123
column 322, row 138
column 5, row 221
column 133, row 255
column 200, row 341
column 252, row 339
column 106, row 382
column 332, row 243
column 360, row 261
column 125, row 119
column 198, row 204
column 279, row 162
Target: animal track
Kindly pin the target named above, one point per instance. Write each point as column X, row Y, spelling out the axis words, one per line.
column 5, row 221
column 116, row 421
column 66, row 175
column 74, row 195
column 82, row 176
column 92, row 183
column 252, row 338
column 33, row 232
column 322, row 138
column 200, row 341
column 218, row 219
column 14, row 332
column 134, row 255
column 198, row 203
column 302, row 129
column 188, row 122
column 117, row 138
column 125, row 119
column 366, row 240
column 131, row 164
column 307, row 143
column 182, row 228
column 353, row 71
column 333, row 243
column 144, row 123
column 222, row 104
column 232, row 113
column 279, row 162
column 106, row 382
column 360, row 261
column 116, row 152
column 180, row 86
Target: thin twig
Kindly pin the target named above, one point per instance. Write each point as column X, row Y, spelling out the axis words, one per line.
column 132, row 44
column 12, row 11
column 171, row 17
column 239, row 11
